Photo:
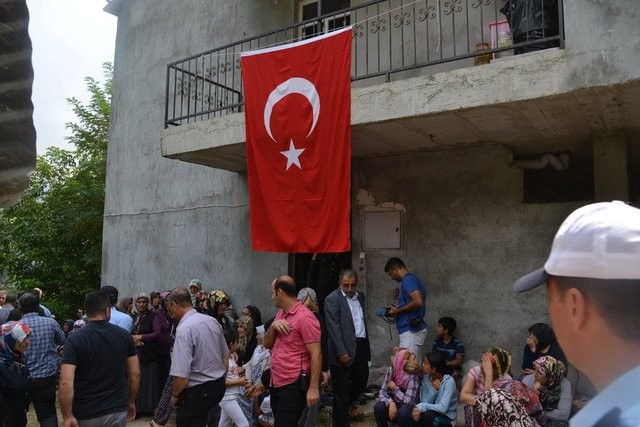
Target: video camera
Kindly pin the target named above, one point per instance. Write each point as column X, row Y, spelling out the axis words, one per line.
column 383, row 313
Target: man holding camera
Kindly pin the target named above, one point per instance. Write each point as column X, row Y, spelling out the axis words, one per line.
column 410, row 310
column 296, row 358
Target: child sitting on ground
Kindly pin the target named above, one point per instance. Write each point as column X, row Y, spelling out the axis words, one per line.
column 449, row 345
column 229, row 405
column 438, row 395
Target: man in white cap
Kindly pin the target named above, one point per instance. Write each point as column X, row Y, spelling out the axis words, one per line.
column 593, row 286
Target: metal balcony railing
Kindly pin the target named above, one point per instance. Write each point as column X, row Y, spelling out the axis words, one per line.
column 389, row 37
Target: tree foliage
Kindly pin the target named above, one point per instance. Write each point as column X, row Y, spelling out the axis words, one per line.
column 52, row 239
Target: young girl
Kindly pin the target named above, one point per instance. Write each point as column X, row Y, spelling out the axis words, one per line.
column 399, row 389
column 495, row 365
column 230, row 408
column 438, row 397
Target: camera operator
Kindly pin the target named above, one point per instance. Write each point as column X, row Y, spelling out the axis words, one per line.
column 410, row 310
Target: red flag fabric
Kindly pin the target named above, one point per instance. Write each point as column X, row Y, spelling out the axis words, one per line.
column 298, row 123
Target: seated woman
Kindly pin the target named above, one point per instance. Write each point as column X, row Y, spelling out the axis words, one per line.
column 495, row 365
column 499, row 408
column 399, row 390
column 540, row 342
column 554, row 390
column 438, row 400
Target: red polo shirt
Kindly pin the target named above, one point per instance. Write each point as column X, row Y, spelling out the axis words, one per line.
column 289, row 355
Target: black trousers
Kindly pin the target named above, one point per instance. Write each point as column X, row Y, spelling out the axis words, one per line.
column 196, row 402
column 287, row 404
column 348, row 383
column 42, row 392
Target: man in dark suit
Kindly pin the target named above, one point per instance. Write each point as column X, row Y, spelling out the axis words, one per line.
column 347, row 345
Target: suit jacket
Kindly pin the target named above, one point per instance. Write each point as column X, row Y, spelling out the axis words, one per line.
column 340, row 329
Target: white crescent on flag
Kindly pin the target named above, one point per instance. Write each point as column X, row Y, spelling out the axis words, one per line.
column 294, row 85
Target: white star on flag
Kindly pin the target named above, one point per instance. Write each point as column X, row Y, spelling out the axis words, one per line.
column 292, row 155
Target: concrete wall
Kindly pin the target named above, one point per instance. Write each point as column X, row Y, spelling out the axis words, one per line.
column 168, row 221
column 466, row 235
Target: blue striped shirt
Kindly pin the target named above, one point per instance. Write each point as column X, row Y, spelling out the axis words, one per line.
column 42, row 354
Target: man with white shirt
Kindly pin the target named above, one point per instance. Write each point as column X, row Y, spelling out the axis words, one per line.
column 348, row 348
column 117, row 317
column 593, row 288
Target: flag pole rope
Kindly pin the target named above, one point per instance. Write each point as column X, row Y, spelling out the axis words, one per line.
column 317, row 34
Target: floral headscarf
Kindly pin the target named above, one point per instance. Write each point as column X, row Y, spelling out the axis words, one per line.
column 255, row 314
column 243, row 342
column 522, row 394
column 201, row 296
column 216, row 297
column 164, row 297
column 142, row 295
column 401, row 369
column 553, row 370
column 13, row 333
column 501, row 361
column 497, row 407
column 78, row 324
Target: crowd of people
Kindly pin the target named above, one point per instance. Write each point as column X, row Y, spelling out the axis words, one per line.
column 190, row 352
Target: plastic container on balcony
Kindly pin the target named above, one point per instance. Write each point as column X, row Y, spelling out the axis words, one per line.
column 501, row 37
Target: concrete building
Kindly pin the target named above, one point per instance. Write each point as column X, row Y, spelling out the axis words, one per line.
column 465, row 172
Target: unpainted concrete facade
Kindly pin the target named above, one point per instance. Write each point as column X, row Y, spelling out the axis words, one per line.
column 438, row 148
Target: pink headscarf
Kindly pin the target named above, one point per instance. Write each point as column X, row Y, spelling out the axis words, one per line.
column 399, row 373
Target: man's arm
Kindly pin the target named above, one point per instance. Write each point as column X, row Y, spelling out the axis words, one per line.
column 65, row 391
column 415, row 303
column 269, row 337
column 133, row 374
column 313, row 394
column 332, row 317
column 58, row 334
column 456, row 361
column 179, row 385
column 279, row 326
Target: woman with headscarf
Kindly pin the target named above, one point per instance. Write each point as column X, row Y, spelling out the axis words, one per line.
column 166, row 336
column 540, row 342
column 254, row 312
column 495, row 365
column 67, row 327
column 553, row 389
column 13, row 342
column 253, row 370
column 399, row 391
column 307, row 296
column 201, row 301
column 247, row 340
column 165, row 342
column 497, row 407
column 216, row 306
column 146, row 330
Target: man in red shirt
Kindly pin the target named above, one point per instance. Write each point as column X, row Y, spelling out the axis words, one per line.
column 294, row 340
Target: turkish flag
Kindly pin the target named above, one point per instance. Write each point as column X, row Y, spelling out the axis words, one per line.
column 298, row 123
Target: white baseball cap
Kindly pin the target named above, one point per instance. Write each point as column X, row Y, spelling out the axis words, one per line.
column 598, row 241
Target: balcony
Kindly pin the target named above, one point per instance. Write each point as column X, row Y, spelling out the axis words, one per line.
column 390, row 38
column 415, row 86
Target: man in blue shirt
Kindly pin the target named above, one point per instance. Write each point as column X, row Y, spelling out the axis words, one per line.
column 42, row 359
column 117, row 318
column 411, row 309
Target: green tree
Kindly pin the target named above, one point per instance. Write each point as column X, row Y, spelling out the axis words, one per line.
column 52, row 239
